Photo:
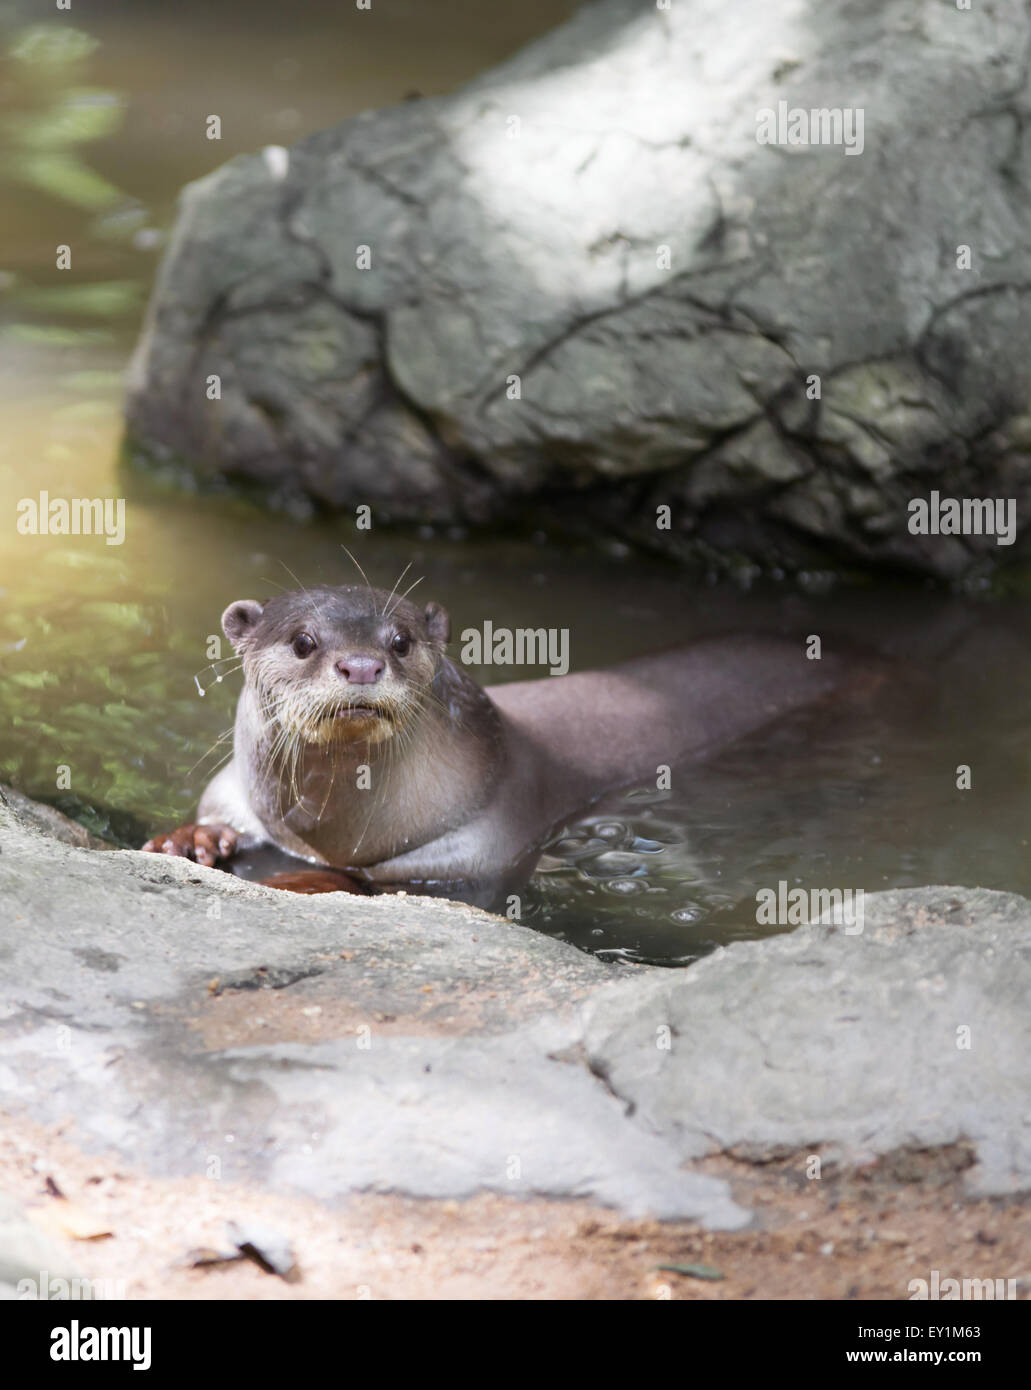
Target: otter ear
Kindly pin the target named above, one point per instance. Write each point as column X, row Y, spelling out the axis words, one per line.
column 239, row 621
column 438, row 622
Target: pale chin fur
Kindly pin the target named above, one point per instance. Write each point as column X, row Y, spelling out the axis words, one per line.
column 375, row 729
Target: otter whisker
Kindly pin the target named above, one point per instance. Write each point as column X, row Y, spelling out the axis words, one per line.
column 225, row 734
column 358, row 567
column 358, row 843
column 332, row 784
column 301, row 587
column 397, row 581
column 405, row 594
column 385, row 779
column 427, row 698
column 226, row 757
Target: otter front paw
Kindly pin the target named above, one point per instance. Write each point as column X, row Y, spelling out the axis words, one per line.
column 205, row 844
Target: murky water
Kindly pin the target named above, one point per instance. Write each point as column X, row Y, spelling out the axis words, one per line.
column 103, row 120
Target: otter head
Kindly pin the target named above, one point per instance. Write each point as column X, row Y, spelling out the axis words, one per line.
column 338, row 665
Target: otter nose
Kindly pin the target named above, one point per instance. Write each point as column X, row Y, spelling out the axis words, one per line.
column 361, row 670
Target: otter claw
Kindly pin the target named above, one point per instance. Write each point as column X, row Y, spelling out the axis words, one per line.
column 205, row 844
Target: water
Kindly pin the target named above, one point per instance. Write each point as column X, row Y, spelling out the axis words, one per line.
column 99, row 645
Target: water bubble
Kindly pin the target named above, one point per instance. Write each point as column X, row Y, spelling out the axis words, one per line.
column 643, row 846
column 616, row 861
column 624, row 886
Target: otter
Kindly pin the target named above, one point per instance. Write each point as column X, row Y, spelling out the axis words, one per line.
column 362, row 749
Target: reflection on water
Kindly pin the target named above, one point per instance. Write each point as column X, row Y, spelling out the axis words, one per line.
column 99, row 644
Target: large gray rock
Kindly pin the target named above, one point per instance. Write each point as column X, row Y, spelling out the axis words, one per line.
column 515, row 229
column 914, row 1033
column 199, row 1024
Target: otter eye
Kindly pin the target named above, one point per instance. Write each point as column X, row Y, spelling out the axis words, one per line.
column 400, row 643
column 303, row 644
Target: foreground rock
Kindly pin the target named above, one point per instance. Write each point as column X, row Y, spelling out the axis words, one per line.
column 201, row 1025
column 320, row 1045
column 597, row 219
column 914, row 1034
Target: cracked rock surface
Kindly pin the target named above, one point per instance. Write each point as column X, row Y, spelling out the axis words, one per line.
column 596, row 217
column 199, row 1024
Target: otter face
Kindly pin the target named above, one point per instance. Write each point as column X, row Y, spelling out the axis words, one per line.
column 338, row 665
